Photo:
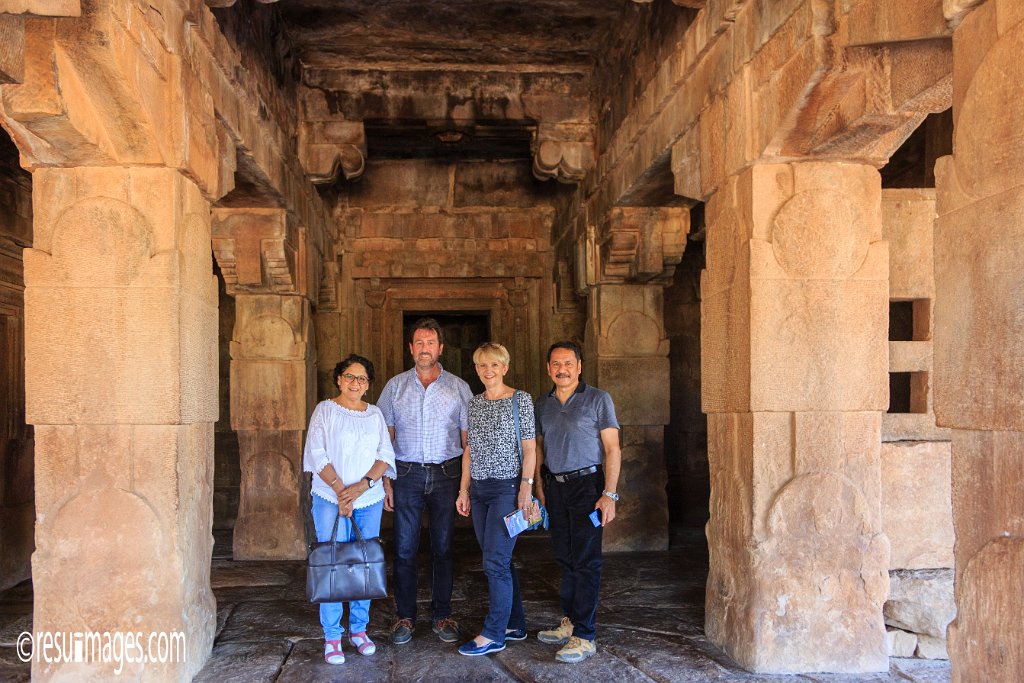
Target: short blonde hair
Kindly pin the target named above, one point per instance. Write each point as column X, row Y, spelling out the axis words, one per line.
column 493, row 350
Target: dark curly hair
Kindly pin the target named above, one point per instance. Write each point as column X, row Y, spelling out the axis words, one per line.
column 352, row 359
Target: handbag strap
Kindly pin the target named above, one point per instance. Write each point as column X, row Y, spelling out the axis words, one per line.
column 334, row 532
column 515, row 421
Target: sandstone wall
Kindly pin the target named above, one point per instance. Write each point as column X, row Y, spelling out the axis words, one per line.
column 418, row 236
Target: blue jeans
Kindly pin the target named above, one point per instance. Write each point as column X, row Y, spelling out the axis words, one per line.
column 434, row 487
column 490, row 500
column 368, row 519
column 577, row 545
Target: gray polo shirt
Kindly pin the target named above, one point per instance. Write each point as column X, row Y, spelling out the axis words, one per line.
column 572, row 432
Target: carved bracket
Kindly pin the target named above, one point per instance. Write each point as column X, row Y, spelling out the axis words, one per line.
column 643, row 243
column 564, row 152
column 263, row 251
column 327, row 148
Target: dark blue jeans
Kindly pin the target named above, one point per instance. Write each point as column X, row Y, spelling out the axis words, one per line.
column 577, row 545
column 490, row 500
column 434, row 487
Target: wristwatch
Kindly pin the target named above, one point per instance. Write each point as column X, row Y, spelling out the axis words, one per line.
column 373, row 482
column 528, row 480
column 611, row 494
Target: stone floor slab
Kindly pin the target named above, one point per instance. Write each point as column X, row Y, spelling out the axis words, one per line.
column 12, row 669
column 650, row 626
column 245, row 663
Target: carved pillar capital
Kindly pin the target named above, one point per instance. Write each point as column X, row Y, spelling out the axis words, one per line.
column 327, row 148
column 265, row 251
column 643, row 243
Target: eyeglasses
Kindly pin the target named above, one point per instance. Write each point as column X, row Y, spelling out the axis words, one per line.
column 360, row 379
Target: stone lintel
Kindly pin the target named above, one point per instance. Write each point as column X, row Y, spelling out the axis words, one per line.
column 42, row 8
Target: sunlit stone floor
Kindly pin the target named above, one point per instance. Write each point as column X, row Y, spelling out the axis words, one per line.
column 650, row 626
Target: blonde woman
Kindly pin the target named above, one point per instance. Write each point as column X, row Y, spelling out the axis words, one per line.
column 496, row 471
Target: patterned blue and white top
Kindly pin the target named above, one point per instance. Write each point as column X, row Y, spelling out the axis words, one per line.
column 493, row 451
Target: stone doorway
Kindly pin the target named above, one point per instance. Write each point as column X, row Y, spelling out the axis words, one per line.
column 464, row 331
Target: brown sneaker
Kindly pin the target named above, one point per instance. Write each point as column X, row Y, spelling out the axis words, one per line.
column 559, row 635
column 447, row 630
column 576, row 650
column 401, row 631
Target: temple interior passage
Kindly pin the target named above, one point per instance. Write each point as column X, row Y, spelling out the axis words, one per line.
column 786, row 234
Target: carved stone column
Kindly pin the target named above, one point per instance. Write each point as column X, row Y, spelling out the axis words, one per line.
column 627, row 356
column 794, row 373
column 121, row 385
column 979, row 337
column 262, row 255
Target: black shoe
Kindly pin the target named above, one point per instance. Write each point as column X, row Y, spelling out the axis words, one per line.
column 447, row 630
column 515, row 634
column 401, row 631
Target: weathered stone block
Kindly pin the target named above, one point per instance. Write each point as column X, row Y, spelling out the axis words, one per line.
column 269, row 524
column 901, row 643
column 639, row 387
column 120, row 278
column 401, row 183
column 921, row 601
column 97, row 517
column 917, row 513
column 908, row 224
column 977, row 312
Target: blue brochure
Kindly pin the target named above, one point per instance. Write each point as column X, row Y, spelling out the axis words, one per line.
column 516, row 523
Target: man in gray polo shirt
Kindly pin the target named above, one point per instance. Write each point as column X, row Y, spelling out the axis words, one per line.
column 578, row 460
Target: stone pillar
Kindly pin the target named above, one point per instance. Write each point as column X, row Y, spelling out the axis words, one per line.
column 121, row 385
column 794, row 360
column 627, row 356
column 637, row 249
column 979, row 338
column 262, row 254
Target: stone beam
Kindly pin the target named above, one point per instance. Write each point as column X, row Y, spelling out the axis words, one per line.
column 778, row 82
column 42, row 8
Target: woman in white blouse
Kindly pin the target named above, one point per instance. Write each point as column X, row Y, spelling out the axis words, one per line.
column 348, row 450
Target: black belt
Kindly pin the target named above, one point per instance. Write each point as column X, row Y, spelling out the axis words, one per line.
column 563, row 477
column 435, row 464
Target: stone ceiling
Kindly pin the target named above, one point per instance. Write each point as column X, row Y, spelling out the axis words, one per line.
column 512, row 35
column 447, row 79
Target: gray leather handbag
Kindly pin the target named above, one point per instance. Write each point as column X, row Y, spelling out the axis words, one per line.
column 346, row 571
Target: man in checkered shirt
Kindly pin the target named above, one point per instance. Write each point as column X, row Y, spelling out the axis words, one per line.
column 427, row 412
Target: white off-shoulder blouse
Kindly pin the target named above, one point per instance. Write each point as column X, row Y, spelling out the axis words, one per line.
column 351, row 441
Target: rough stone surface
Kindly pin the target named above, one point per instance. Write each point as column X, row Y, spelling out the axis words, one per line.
column 930, row 647
column 917, row 511
column 118, row 286
column 795, row 497
column 921, row 601
column 978, row 337
column 901, row 643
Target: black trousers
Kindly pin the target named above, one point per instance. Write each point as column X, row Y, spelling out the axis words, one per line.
column 577, row 546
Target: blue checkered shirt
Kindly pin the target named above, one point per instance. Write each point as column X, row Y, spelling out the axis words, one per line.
column 428, row 422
